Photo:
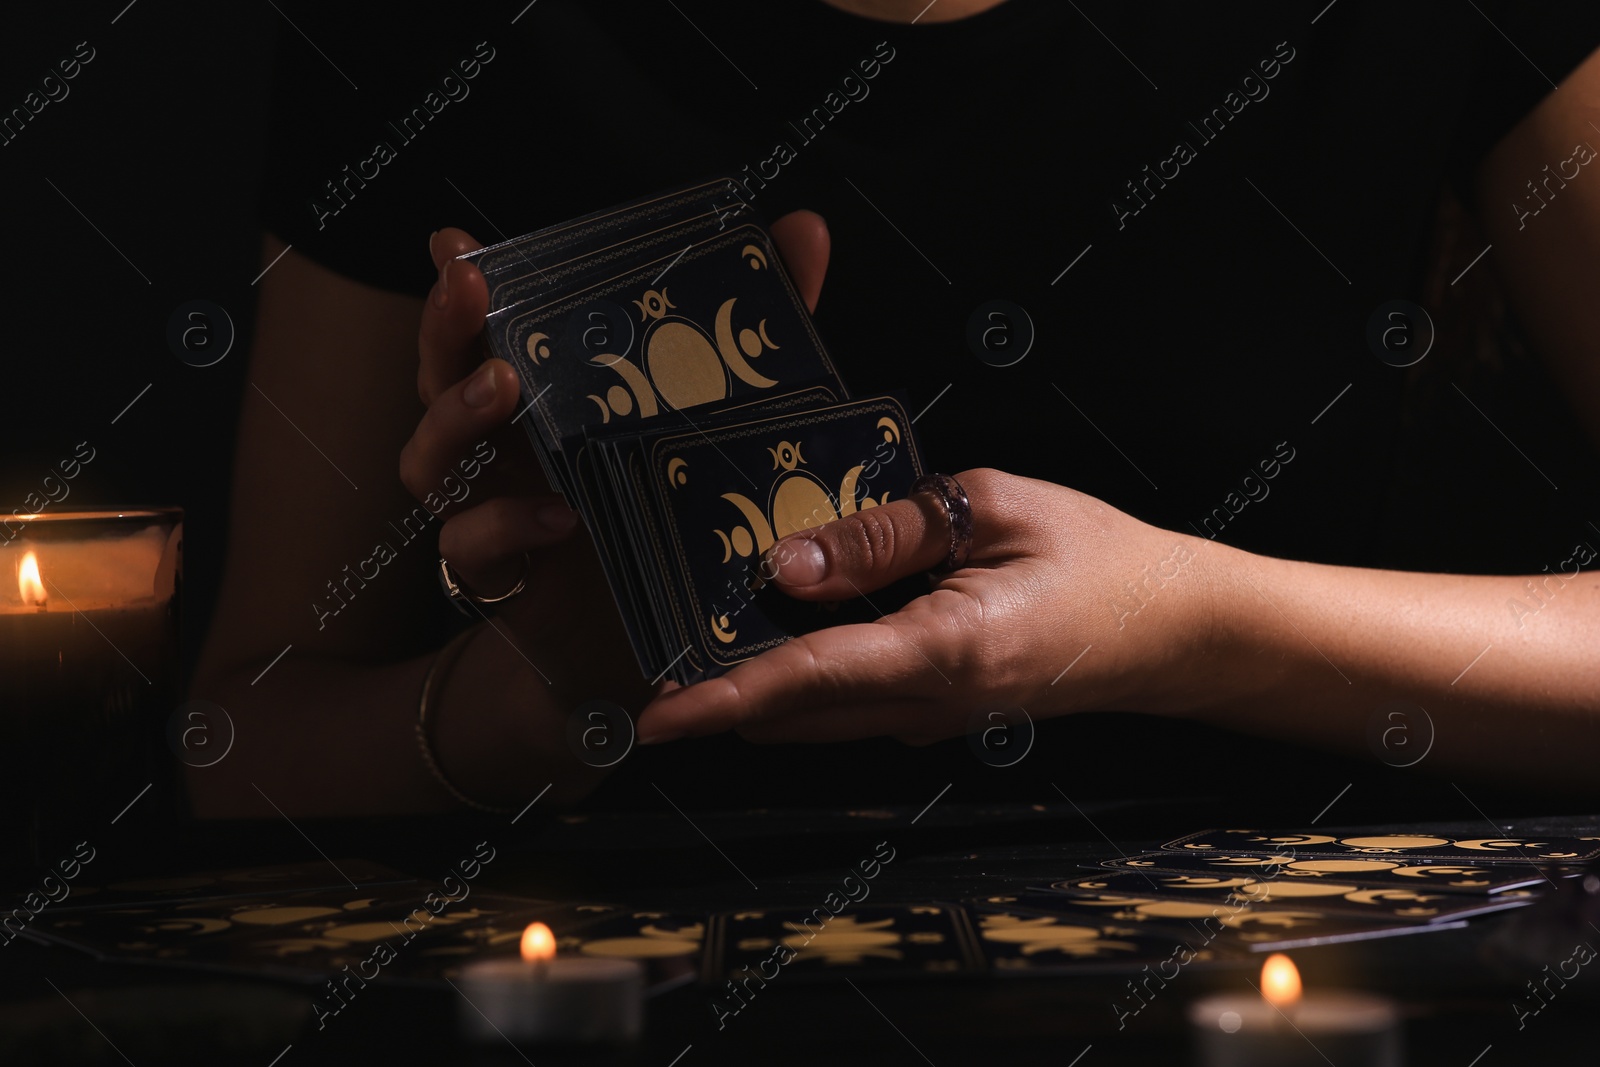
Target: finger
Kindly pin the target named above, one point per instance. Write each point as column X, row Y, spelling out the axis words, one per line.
column 838, row 665
column 861, row 553
column 849, row 722
column 803, row 241
column 486, row 544
column 466, row 413
column 452, row 317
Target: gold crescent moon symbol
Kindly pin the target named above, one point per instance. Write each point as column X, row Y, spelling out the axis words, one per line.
column 654, row 304
column 757, row 257
column 1175, row 909
column 536, row 350
column 1378, row 896
column 727, row 545
column 1284, row 919
column 1298, row 839
column 1493, row 844
column 754, row 516
column 641, row 387
column 718, row 622
column 675, row 468
column 1200, row 881
column 730, row 350
column 1460, row 876
column 891, row 430
column 761, row 331
column 605, row 410
column 1107, row 901
column 1248, row 861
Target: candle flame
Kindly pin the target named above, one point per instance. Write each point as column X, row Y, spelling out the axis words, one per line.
column 1280, row 981
column 538, row 943
column 29, row 584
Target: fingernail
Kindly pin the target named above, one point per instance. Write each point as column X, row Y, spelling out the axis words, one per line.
column 480, row 390
column 557, row 517
column 800, row 562
column 431, row 236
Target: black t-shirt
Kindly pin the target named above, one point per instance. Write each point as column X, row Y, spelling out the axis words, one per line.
column 1199, row 208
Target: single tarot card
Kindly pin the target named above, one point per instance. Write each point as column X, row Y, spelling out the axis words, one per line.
column 716, row 325
column 591, row 236
column 874, row 941
column 1017, row 942
column 1225, row 927
column 1393, row 903
column 602, row 464
column 234, row 882
column 1447, row 847
column 726, row 495
column 1369, row 871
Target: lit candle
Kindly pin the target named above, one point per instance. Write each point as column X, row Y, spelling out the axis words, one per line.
column 1282, row 1027
column 544, row 998
column 89, row 604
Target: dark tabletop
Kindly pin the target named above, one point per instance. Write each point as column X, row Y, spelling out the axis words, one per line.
column 1457, row 988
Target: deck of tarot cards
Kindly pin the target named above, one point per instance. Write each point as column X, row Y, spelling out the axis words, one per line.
column 678, row 395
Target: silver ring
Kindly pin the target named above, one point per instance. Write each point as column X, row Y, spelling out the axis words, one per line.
column 957, row 509
column 458, row 592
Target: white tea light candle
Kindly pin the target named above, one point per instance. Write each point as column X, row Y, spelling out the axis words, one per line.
column 546, row 998
column 1282, row 1027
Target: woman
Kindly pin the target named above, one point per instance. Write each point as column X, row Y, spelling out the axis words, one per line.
column 1201, row 215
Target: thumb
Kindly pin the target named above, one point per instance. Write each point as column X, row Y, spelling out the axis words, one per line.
column 448, row 243
column 860, row 553
column 803, row 241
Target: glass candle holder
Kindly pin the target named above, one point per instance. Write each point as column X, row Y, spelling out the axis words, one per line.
column 89, row 615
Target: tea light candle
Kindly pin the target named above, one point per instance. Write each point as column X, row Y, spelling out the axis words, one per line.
column 1280, row 1027
column 544, row 998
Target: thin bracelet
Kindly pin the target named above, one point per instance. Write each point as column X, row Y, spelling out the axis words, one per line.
column 442, row 662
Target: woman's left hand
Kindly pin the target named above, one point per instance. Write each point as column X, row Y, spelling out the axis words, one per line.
column 1064, row 604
